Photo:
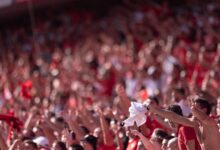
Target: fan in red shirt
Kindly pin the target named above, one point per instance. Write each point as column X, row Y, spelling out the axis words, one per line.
column 187, row 138
column 187, row 135
column 153, row 123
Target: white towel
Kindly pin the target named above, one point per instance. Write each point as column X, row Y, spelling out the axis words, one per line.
column 137, row 114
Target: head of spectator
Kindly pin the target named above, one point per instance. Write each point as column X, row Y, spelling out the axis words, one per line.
column 154, row 101
column 178, row 94
column 38, row 131
column 176, row 109
column 28, row 134
column 30, row 145
column 75, row 147
column 89, row 142
column 165, row 142
column 58, row 145
column 203, row 105
column 158, row 136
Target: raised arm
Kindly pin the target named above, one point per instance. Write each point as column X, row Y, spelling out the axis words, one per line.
column 147, row 144
column 120, row 145
column 71, row 119
column 87, row 119
column 171, row 116
column 162, row 122
column 48, row 132
column 27, row 123
column 3, row 145
column 108, row 138
column 14, row 145
column 202, row 116
column 124, row 101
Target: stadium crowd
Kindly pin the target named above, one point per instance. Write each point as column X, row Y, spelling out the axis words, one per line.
column 70, row 86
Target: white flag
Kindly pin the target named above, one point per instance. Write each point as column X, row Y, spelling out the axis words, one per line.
column 137, row 114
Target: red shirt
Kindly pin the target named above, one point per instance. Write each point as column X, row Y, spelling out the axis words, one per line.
column 201, row 74
column 108, row 84
column 180, row 54
column 25, row 89
column 106, row 147
column 190, row 69
column 152, row 125
column 185, row 134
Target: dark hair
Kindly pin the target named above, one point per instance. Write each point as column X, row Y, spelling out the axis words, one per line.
column 160, row 135
column 176, row 109
column 61, row 145
column 180, row 91
column 155, row 99
column 125, row 141
column 169, row 137
column 108, row 120
column 76, row 147
column 73, row 135
column 84, row 129
column 204, row 104
column 60, row 120
column 28, row 134
column 92, row 140
column 30, row 142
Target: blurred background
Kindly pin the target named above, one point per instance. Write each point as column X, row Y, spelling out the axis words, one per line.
column 88, row 59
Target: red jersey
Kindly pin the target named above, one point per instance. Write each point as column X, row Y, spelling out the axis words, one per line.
column 106, row 147
column 185, row 134
column 152, row 125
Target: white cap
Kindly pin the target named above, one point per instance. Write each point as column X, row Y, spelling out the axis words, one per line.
column 41, row 141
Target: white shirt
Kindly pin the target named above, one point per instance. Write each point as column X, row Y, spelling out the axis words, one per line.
column 185, row 108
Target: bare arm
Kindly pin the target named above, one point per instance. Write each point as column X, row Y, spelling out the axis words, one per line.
column 16, row 143
column 147, row 144
column 119, row 141
column 108, row 139
column 144, row 130
column 163, row 123
column 87, row 119
column 48, row 133
column 202, row 117
column 124, row 101
column 3, row 145
column 28, row 121
column 27, row 124
column 172, row 116
column 71, row 119
column 53, row 126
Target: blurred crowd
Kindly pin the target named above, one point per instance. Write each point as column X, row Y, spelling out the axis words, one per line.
column 69, row 85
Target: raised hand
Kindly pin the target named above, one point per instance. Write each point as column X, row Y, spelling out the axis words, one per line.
column 100, row 112
column 66, row 136
column 70, row 115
